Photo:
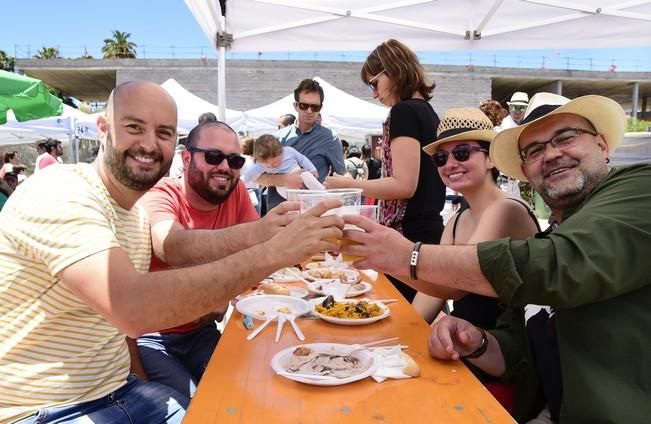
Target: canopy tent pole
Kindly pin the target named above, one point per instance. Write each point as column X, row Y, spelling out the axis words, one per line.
column 634, row 100
column 222, row 40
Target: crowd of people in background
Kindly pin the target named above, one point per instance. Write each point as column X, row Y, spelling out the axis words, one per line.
column 552, row 322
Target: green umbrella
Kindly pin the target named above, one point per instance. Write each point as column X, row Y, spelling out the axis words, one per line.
column 29, row 98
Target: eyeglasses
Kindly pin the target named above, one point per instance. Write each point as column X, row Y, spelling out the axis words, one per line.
column 306, row 106
column 372, row 83
column 461, row 153
column 517, row 108
column 563, row 139
column 215, row 157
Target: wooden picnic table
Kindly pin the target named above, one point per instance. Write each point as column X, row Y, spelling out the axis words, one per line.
column 239, row 385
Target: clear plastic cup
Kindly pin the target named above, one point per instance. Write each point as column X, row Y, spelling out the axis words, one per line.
column 350, row 197
column 369, row 211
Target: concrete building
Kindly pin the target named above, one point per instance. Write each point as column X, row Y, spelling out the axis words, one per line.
column 254, row 83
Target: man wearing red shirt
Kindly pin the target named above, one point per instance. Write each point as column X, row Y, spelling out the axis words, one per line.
column 205, row 215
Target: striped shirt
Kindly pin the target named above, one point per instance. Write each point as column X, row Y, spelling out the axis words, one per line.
column 54, row 349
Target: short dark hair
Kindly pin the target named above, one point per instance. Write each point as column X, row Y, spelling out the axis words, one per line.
column 266, row 147
column 288, row 119
column 309, row 85
column 10, row 155
column 195, row 133
column 366, row 151
column 50, row 144
column 207, row 117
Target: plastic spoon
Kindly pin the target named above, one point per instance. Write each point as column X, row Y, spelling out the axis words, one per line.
column 281, row 322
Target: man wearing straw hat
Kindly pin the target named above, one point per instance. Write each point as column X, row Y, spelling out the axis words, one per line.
column 517, row 106
column 584, row 352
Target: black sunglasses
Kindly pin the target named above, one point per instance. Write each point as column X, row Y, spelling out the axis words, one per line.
column 306, row 106
column 215, row 157
column 460, row 153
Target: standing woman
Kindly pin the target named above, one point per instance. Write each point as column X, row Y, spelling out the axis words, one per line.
column 410, row 191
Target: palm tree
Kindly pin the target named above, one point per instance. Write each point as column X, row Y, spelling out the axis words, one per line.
column 119, row 46
column 6, row 62
column 47, row 53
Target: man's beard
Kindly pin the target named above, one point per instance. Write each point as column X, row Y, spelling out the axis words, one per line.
column 200, row 183
column 133, row 178
column 590, row 174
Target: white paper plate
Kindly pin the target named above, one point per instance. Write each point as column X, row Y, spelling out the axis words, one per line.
column 352, row 321
column 294, row 291
column 352, row 275
column 283, row 356
column 315, row 287
column 265, row 305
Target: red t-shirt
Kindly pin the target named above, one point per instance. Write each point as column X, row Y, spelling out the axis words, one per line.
column 165, row 201
column 46, row 161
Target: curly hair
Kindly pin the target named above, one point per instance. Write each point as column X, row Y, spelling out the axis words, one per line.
column 494, row 110
column 403, row 68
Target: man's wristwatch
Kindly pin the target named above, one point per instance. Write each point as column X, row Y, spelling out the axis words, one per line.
column 482, row 347
column 413, row 260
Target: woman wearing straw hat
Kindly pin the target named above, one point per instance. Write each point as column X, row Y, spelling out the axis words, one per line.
column 410, row 191
column 460, row 153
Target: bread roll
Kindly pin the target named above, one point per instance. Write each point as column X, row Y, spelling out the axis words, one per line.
column 273, row 288
column 411, row 367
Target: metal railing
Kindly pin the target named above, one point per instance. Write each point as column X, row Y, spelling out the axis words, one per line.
column 506, row 59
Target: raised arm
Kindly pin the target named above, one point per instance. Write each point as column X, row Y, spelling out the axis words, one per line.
column 137, row 303
column 405, row 155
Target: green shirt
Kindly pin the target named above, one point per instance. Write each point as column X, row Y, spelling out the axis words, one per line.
column 594, row 270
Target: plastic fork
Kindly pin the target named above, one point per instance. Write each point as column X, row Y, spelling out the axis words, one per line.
column 260, row 328
column 292, row 320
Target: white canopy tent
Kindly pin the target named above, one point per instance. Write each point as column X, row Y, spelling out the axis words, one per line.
column 343, row 113
column 191, row 106
column 424, row 25
column 72, row 123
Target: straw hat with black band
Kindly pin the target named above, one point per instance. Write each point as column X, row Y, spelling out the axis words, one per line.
column 606, row 115
column 468, row 123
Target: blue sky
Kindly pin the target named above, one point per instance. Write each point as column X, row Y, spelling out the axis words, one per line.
column 166, row 28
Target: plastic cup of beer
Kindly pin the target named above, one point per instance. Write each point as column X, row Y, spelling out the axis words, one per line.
column 369, row 211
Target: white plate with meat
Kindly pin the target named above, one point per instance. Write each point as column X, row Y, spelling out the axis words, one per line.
column 329, row 363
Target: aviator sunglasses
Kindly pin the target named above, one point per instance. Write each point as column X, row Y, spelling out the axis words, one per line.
column 215, row 157
column 306, row 106
column 517, row 108
column 461, row 154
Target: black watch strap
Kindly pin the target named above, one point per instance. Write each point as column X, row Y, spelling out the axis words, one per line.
column 482, row 347
column 413, row 261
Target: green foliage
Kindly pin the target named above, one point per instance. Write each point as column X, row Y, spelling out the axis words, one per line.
column 119, row 46
column 527, row 193
column 6, row 62
column 47, row 53
column 637, row 125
